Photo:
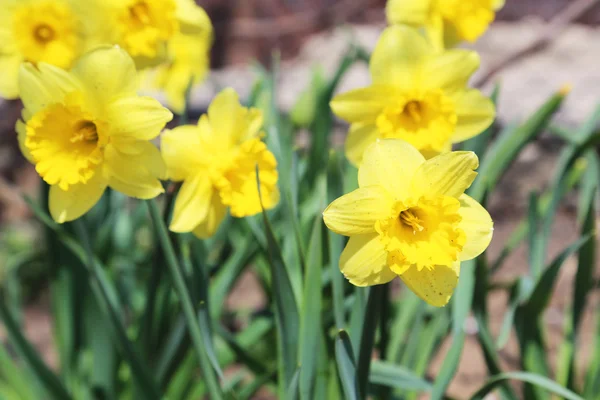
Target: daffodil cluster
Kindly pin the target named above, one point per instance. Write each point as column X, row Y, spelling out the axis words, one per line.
column 169, row 39
column 86, row 129
column 410, row 217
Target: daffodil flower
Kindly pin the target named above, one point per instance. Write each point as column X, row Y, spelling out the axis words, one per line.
column 410, row 218
column 217, row 162
column 188, row 61
column 36, row 31
column 418, row 95
column 87, row 129
column 446, row 22
column 142, row 27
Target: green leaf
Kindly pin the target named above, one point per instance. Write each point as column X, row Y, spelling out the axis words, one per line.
column 367, row 337
column 396, row 376
column 50, row 381
column 540, row 297
column 534, row 379
column 292, row 390
column 461, row 304
column 335, row 183
column 344, row 356
column 310, row 323
column 185, row 298
column 287, row 319
column 507, row 147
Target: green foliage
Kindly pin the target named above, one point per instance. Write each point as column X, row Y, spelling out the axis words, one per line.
column 139, row 312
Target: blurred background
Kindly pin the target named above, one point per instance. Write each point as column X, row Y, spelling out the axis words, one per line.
column 559, row 43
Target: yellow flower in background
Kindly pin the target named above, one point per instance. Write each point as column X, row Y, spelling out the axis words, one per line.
column 446, row 22
column 142, row 27
column 417, row 94
column 188, row 59
column 87, row 129
column 410, row 218
column 36, row 31
column 217, row 162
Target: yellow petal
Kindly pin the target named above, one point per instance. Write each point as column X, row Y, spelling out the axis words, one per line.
column 448, row 174
column 356, row 212
column 359, row 138
column 214, row 217
column 398, row 57
column 193, row 19
column 435, row 284
column 226, row 114
column 390, row 163
column 477, row 225
column 192, row 204
column 362, row 105
column 107, row 73
column 9, row 82
column 140, row 118
column 21, row 136
column 71, row 204
column 136, row 175
column 410, row 12
column 44, row 85
column 475, row 114
column 450, row 70
column 364, row 261
column 498, row 4
column 181, row 150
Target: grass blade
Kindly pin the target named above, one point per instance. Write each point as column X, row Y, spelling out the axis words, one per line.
column 534, row 379
column 398, row 377
column 50, row 381
column 310, row 323
column 185, row 298
column 287, row 319
column 344, row 356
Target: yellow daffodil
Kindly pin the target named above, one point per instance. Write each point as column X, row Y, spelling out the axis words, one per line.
column 418, row 95
column 217, row 162
column 187, row 62
column 410, row 218
column 446, row 22
column 86, row 129
column 142, row 27
column 36, row 31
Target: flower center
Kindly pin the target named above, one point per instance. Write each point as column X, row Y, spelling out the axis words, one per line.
column 46, row 31
column 425, row 120
column 423, row 232
column 146, row 24
column 66, row 143
column 140, row 13
column 85, row 131
column 410, row 219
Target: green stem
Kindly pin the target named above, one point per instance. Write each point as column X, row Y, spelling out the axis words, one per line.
column 212, row 384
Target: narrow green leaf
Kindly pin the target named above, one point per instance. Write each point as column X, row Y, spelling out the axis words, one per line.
column 506, row 148
column 367, row 338
column 344, row 356
column 177, row 275
column 335, row 183
column 292, row 390
column 461, row 304
column 287, row 319
column 540, row 297
column 398, row 377
column 51, row 382
column 534, row 379
column 310, row 323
